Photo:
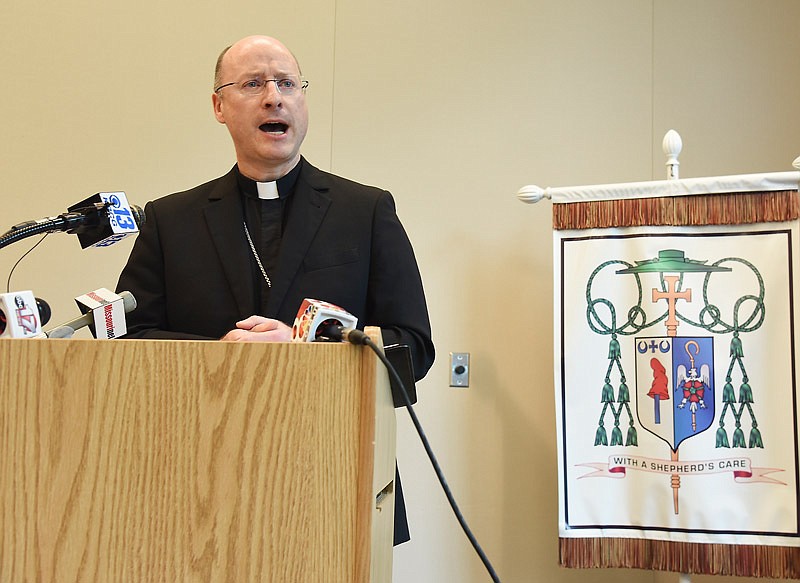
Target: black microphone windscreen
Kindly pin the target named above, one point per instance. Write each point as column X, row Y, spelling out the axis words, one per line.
column 138, row 214
column 44, row 311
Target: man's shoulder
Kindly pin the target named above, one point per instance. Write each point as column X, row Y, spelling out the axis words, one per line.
column 338, row 185
column 215, row 188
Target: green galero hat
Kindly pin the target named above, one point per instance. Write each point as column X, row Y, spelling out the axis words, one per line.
column 672, row 260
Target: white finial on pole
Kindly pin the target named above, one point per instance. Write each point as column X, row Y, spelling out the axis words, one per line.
column 796, row 163
column 672, row 146
column 532, row 194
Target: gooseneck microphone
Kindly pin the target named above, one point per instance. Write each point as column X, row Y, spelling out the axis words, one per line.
column 99, row 221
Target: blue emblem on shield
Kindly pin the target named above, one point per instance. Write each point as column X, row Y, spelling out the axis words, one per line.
column 675, row 386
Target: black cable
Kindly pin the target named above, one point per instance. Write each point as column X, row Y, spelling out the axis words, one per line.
column 10, row 273
column 360, row 338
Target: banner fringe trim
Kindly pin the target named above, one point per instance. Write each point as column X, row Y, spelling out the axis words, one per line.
column 690, row 558
column 707, row 209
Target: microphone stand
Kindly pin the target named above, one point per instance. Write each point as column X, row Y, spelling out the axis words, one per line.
column 69, row 222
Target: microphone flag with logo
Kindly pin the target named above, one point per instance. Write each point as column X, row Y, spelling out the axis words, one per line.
column 108, row 312
column 314, row 316
column 116, row 222
column 20, row 316
column 103, row 312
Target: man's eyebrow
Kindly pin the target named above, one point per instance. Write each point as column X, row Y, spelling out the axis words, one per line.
column 279, row 73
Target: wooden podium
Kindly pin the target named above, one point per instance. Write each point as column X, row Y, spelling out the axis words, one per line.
column 179, row 461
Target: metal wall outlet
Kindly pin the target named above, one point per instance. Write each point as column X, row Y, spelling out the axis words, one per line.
column 459, row 369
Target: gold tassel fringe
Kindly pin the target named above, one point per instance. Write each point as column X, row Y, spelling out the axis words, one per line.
column 707, row 209
column 690, row 558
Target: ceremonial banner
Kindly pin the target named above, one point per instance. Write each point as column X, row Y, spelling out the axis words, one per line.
column 676, row 371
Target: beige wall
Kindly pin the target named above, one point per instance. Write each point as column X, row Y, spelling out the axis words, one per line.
column 452, row 106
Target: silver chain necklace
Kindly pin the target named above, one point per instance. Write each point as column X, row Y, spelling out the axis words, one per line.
column 257, row 258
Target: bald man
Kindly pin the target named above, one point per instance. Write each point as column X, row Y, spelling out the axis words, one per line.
column 233, row 258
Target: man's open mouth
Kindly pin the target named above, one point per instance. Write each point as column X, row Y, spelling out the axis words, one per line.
column 274, row 127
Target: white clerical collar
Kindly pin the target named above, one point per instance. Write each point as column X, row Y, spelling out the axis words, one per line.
column 267, row 190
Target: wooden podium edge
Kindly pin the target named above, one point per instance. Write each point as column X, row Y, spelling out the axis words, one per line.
column 382, row 454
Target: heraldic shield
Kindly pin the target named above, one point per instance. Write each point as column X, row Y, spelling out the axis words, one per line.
column 675, row 386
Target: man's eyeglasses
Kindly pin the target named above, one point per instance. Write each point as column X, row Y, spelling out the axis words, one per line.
column 257, row 86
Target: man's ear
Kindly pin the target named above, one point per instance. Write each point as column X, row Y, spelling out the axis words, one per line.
column 216, row 102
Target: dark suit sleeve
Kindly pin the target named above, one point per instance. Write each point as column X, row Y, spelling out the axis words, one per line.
column 395, row 296
column 143, row 276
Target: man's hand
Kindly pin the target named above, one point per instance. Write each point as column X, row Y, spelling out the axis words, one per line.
column 259, row 329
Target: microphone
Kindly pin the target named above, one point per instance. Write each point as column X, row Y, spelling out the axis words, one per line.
column 339, row 333
column 22, row 315
column 44, row 310
column 117, row 220
column 99, row 221
column 104, row 310
column 316, row 320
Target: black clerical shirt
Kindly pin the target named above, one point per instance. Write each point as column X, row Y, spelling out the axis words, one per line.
column 266, row 219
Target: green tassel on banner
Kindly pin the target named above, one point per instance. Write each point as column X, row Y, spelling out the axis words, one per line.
column 722, row 438
column 600, row 438
column 755, row 437
column 616, row 436
column 745, row 393
column 728, row 396
column 608, row 393
column 736, row 347
column 738, row 438
column 632, row 438
column 613, row 349
column 624, row 393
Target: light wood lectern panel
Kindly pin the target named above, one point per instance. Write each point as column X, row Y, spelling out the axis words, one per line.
column 188, row 461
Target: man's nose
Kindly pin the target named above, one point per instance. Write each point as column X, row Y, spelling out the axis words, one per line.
column 272, row 96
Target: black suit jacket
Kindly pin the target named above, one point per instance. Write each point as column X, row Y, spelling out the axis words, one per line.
column 343, row 243
column 190, row 269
